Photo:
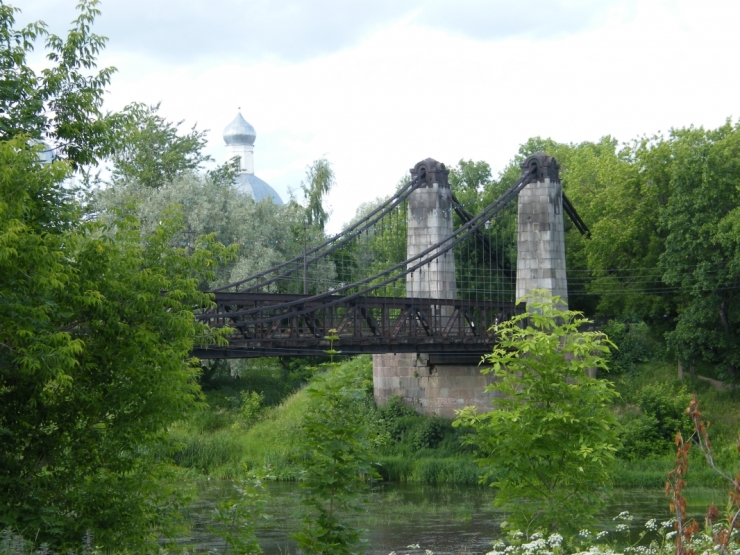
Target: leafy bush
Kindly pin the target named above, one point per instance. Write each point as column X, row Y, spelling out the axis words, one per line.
column 549, row 445
column 251, row 408
column 429, row 433
column 659, row 412
column 632, row 345
column 336, row 461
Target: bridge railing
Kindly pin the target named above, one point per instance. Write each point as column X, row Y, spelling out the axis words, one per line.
column 271, row 325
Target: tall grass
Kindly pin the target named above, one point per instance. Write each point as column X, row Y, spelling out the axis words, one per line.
column 220, row 441
column 219, row 444
column 430, row 470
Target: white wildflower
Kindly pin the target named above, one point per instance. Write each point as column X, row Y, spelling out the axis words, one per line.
column 601, row 535
column 428, row 552
column 622, row 528
column 536, row 545
column 555, row 540
column 668, row 523
column 670, row 535
column 536, row 536
column 585, row 533
column 651, row 525
column 413, row 546
column 624, row 515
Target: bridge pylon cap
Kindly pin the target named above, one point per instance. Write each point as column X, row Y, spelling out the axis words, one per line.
column 544, row 166
column 430, row 171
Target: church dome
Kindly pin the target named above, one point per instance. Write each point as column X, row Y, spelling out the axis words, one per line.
column 239, row 132
column 250, row 184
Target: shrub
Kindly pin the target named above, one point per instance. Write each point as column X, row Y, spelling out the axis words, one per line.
column 429, row 433
column 251, row 408
column 336, row 461
column 632, row 345
column 549, row 445
column 651, row 428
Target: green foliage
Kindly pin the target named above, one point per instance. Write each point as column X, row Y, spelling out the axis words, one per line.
column 468, row 179
column 380, row 246
column 336, row 462
column 251, row 408
column 265, row 233
column 96, row 330
column 319, row 181
column 61, row 104
column 216, row 441
column 664, row 235
column 430, row 434
column 661, row 412
column 702, row 248
column 549, row 445
column 149, row 150
column 238, row 518
column 632, row 345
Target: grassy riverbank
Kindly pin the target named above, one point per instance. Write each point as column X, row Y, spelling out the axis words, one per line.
column 238, row 429
column 253, row 420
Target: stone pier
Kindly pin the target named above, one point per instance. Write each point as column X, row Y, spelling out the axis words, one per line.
column 431, row 386
column 541, row 234
column 440, row 386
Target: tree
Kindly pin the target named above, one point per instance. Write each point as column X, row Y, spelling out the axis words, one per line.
column 319, row 181
column 468, row 180
column 150, row 151
column 702, row 246
column 96, row 328
column 63, row 103
column 337, row 460
column 549, row 444
column 264, row 233
column 96, row 320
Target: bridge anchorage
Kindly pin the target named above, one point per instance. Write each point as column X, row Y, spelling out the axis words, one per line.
column 418, row 282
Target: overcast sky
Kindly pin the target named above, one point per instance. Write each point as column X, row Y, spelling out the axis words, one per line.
column 375, row 86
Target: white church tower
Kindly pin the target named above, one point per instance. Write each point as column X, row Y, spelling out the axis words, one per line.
column 239, row 136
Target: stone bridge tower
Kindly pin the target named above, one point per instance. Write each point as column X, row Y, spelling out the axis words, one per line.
column 540, row 262
column 440, row 385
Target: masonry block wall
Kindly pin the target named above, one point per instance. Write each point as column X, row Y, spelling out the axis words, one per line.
column 541, row 235
column 431, row 388
column 429, row 222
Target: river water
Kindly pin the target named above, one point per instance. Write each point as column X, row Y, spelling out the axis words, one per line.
column 443, row 519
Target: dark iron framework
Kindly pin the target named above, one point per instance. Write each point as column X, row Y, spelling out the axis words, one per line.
column 272, row 324
column 366, row 307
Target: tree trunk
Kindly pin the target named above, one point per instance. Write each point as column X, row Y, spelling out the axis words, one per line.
column 680, row 370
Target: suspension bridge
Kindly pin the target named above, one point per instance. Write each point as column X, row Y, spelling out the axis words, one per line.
column 419, row 273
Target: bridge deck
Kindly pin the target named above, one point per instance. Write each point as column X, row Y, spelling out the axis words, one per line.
column 274, row 324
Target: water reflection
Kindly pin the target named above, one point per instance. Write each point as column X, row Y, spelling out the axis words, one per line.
column 443, row 519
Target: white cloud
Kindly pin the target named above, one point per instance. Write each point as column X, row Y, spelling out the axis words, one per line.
column 405, row 89
column 180, row 32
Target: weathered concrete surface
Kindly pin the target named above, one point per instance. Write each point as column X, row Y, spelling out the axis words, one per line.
column 431, row 389
column 541, row 234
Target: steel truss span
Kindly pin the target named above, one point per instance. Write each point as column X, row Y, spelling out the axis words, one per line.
column 355, row 282
column 274, row 325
